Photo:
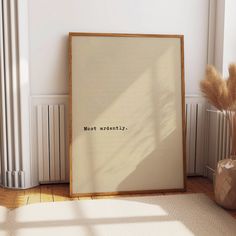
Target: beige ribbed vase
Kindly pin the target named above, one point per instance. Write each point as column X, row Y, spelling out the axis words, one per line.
column 225, row 183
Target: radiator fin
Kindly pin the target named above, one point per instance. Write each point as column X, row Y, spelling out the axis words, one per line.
column 223, row 141
column 195, row 135
column 219, row 140
column 11, row 159
column 51, row 142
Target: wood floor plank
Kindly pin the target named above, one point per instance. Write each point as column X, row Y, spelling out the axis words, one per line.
column 46, row 194
column 33, row 195
column 20, row 198
column 61, row 193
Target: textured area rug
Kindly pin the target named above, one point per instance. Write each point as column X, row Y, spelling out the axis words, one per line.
column 182, row 214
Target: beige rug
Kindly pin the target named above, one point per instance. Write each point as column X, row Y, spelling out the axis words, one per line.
column 187, row 214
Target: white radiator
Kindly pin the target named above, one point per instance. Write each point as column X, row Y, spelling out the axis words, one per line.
column 218, row 140
column 223, row 145
column 11, row 160
column 50, row 142
column 49, row 138
column 195, row 134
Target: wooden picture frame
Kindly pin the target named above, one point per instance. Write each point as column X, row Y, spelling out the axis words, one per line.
column 126, row 114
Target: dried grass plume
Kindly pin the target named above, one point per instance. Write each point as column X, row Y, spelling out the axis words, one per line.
column 220, row 92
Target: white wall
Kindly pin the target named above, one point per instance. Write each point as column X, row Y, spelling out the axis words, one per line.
column 229, row 35
column 51, row 20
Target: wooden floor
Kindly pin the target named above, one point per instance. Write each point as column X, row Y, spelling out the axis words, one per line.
column 60, row 192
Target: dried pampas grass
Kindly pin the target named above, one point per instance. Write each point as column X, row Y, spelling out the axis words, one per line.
column 220, row 92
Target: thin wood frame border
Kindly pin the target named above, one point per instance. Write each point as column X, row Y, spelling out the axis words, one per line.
column 139, row 192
